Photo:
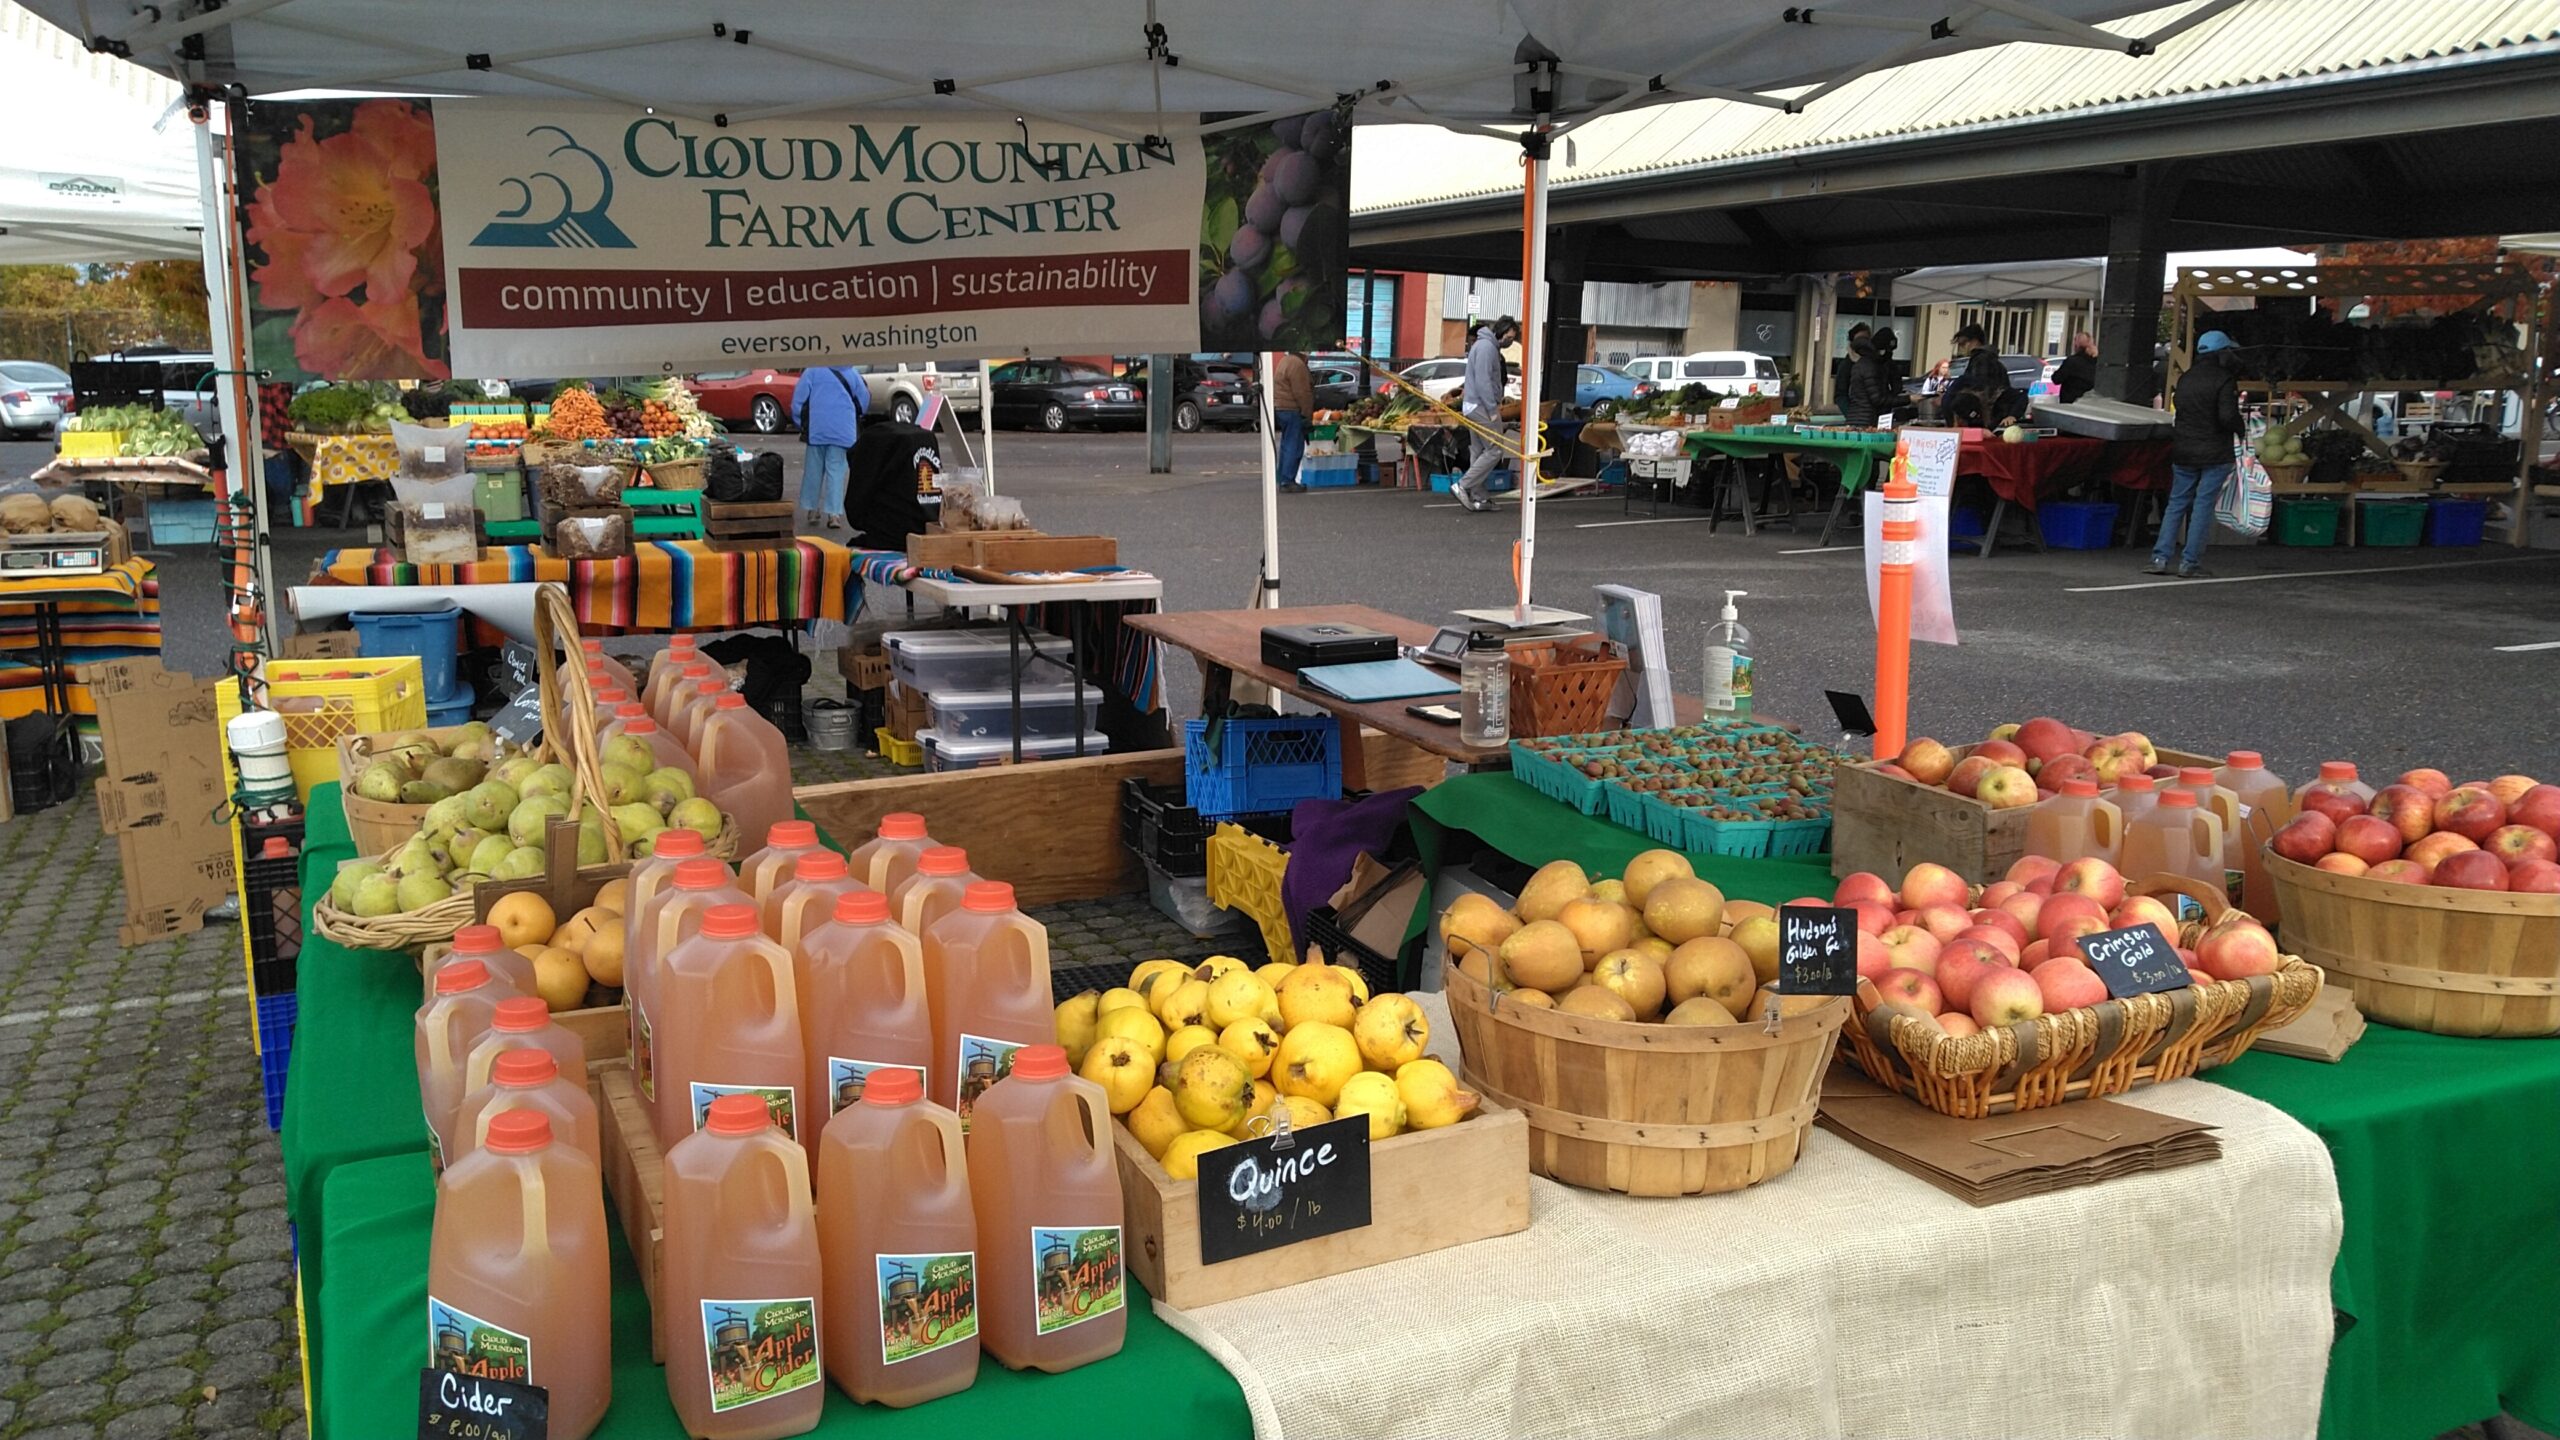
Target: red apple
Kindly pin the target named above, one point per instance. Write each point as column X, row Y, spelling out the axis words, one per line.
column 1927, row 761
column 2431, row 851
column 2410, row 810
column 2004, row 732
column 1873, row 960
column 2433, row 783
column 2471, row 812
column 2024, row 908
column 2113, row 759
column 1955, row 1024
column 2339, row 862
column 2067, row 983
column 1999, row 890
column 2065, row 767
column 2161, row 772
column 2041, row 886
column 2197, row 977
column 2336, row 804
column 2066, row 937
column 1999, row 752
column 2006, row 788
column 1993, row 938
column 1960, row 965
column 2006, row 997
column 1930, row 884
column 2059, row 909
column 1861, row 885
column 2369, row 838
column 2034, row 955
column 2511, row 788
column 2002, row 921
column 2538, row 807
column 1947, row 921
column 2403, row 871
column 2472, row 870
column 2306, row 837
column 1904, row 917
column 1896, row 771
column 1910, row 992
column 2027, row 869
column 1911, row 948
column 2516, row 844
column 2140, row 744
column 2143, row 910
column 2044, row 738
column 1967, row 776
column 2536, row 877
column 2094, row 878
column 2237, row 947
column 1873, row 917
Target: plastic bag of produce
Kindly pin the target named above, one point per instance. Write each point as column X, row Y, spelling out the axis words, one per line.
column 432, row 452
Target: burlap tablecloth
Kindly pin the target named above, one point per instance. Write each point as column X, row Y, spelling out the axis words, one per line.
column 1843, row 1298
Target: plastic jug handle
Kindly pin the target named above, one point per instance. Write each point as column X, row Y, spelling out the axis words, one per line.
column 2106, row 821
column 537, row 1211
column 1097, row 1116
column 797, row 1199
column 955, row 1155
column 786, row 994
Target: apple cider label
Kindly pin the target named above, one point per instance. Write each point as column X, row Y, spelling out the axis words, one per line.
column 435, row 1142
column 926, row 1302
column 984, row 1060
column 846, row 1079
column 1076, row 1275
column 644, row 1067
column 460, row 1343
column 780, row 1101
column 759, row 1349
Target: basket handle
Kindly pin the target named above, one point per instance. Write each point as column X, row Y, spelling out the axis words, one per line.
column 2163, row 883
column 569, row 708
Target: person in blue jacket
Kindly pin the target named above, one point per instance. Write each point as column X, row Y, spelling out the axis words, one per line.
column 828, row 404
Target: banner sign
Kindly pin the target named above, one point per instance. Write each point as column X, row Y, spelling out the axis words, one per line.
column 399, row 239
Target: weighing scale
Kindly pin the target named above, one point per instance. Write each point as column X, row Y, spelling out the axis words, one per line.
column 64, row 553
column 1449, row 646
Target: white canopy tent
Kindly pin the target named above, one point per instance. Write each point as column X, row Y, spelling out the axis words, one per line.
column 2052, row 279
column 1493, row 66
column 98, row 168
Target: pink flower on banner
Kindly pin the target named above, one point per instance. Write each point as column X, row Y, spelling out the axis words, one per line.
column 374, row 340
column 352, row 209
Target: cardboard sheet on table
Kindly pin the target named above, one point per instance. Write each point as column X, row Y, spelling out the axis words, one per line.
column 2006, row 1157
column 2322, row 1032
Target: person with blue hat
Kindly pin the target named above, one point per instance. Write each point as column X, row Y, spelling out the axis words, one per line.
column 2203, row 431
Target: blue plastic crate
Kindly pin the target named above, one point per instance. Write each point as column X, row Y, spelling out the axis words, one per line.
column 1443, row 483
column 1501, row 482
column 1261, row 765
column 1324, row 472
column 1614, row 473
column 2077, row 524
column 275, row 1050
column 2457, row 522
column 182, row 522
column 1965, row 522
column 434, row 636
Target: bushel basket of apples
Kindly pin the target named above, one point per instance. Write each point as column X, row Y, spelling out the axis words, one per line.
column 1979, row 1002
column 2438, row 903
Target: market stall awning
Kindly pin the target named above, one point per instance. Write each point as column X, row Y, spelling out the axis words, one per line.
column 97, row 169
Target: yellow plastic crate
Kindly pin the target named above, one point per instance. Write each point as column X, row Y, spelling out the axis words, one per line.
column 1244, row 874
column 322, row 700
column 900, row 752
column 91, row 444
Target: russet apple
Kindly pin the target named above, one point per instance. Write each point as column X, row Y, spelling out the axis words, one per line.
column 1932, row 884
column 1862, row 885
column 2308, row 836
column 2432, row 783
column 2471, row 870
column 2403, row 871
column 2369, row 838
column 2339, row 862
column 2094, row 878
column 2028, row 869
column 2511, row 788
column 2060, row 909
column 2535, row 877
column 2005, row 997
column 2237, row 947
column 2067, row 983
column 2007, row 788
column 2538, row 807
column 1960, row 965
column 2336, row 804
column 2410, row 810
column 1967, row 776
column 1912, row 948
column 2470, row 811
column 1910, row 992
column 2432, row 850
column 2516, row 844
column 1927, row 761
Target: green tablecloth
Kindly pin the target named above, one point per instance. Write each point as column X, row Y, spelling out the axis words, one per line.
column 1856, row 458
column 379, row 1214
column 2448, row 1160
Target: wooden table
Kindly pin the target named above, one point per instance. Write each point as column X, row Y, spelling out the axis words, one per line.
column 1228, row 645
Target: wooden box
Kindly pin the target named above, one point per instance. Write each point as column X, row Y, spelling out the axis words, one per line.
column 1012, row 550
column 634, row 1173
column 733, row 526
column 1886, row 826
column 1428, row 1190
column 864, row 667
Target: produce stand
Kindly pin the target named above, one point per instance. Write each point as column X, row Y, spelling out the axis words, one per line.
column 1856, row 455
column 2028, row 473
column 662, row 586
column 52, row 625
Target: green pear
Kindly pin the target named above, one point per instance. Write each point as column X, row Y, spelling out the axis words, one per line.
column 470, row 738
column 413, row 858
column 444, row 817
column 636, row 820
column 342, row 890
column 621, row 784
column 522, row 863
column 632, row 752
column 423, row 792
column 696, row 814
column 591, row 848
column 485, row 855
column 489, row 803
column 552, row 779
column 375, row 896
column 417, row 892
column 666, row 787
column 454, row 774
column 514, row 769
column 531, row 819
column 381, row 782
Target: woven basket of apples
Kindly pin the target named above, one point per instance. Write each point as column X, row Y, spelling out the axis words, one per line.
column 1979, row 1002
column 2439, row 903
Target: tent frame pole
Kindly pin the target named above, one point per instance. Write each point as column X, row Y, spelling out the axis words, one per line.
column 1533, row 308
column 226, row 290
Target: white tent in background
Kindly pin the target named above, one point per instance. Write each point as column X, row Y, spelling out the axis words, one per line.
column 1122, row 67
column 97, row 168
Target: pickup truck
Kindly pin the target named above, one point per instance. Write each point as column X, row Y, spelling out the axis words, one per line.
column 898, row 391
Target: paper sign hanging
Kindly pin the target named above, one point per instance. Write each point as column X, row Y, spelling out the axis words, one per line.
column 1933, row 610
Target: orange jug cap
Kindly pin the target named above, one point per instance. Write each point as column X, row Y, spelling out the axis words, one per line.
column 478, row 940
column 525, row 1067
column 521, row 1012
column 1040, row 1062
column 2246, row 760
column 892, row 1085
column 517, row 1132
column 701, row 873
column 2079, row 789
column 943, row 860
column 677, row 844
column 791, row 835
column 902, row 825
column 729, row 922
column 862, row 907
column 2176, row 798
column 461, row 975
column 987, row 897
column 738, row 1115
column 819, row 865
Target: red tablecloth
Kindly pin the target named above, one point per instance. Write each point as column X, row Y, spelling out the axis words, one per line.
column 2023, row 474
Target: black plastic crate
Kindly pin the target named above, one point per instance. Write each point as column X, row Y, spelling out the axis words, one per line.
column 1324, row 931
column 271, row 895
column 1067, row 981
column 1162, row 830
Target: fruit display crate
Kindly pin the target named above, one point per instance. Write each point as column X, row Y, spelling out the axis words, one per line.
column 1887, row 825
column 323, row 700
column 1322, row 472
column 1162, row 830
column 271, row 904
column 1256, row 766
column 2427, row 957
column 1327, row 937
column 1428, row 1190
column 2306, row 521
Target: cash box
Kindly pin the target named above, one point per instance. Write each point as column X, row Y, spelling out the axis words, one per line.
column 1295, row 647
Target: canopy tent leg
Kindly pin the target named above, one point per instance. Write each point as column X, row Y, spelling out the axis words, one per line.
column 226, row 293
column 987, row 427
column 1267, row 595
column 1533, row 304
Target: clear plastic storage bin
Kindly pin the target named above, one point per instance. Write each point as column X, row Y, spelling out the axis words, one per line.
column 970, row 752
column 952, row 661
column 1046, row 710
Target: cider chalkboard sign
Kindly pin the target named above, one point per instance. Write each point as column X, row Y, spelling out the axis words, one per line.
column 519, row 721
column 2137, row 960
column 453, row 1406
column 1259, row 1196
column 1817, row 950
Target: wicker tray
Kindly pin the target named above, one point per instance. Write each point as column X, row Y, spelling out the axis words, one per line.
column 1562, row 687
column 675, row 474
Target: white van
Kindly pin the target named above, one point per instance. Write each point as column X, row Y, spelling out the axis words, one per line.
column 1726, row 372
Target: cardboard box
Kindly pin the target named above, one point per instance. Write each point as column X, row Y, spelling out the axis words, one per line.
column 1012, row 550
column 905, row 713
column 162, row 787
column 321, row 645
column 865, row 666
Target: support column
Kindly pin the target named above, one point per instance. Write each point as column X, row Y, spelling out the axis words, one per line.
column 1162, row 382
column 2137, row 272
column 1568, row 339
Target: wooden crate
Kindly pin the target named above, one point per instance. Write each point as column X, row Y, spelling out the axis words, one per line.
column 634, row 1174
column 1886, row 826
column 1012, row 550
column 1428, row 1190
column 2425, row 957
column 765, row 522
column 602, row 1027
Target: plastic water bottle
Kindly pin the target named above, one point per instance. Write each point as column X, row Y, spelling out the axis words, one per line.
column 1729, row 678
column 1484, row 691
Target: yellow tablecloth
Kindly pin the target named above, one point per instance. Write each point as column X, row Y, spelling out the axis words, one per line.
column 350, row 459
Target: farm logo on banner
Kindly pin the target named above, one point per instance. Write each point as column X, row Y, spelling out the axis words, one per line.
column 489, row 238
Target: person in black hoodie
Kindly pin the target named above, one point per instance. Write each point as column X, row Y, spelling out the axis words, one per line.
column 1995, row 402
column 2077, row 375
column 1842, row 367
column 2204, row 423
column 1874, row 390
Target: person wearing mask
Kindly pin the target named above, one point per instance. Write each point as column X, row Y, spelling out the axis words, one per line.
column 2077, row 375
column 1293, row 405
column 1847, row 364
column 1875, row 389
column 827, row 403
column 2204, row 423
column 1482, row 403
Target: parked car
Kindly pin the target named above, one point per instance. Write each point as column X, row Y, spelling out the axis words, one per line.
column 898, row 391
column 1595, row 383
column 752, row 400
column 1337, row 382
column 34, row 397
column 184, row 384
column 1438, row 379
column 1210, row 392
column 1058, row 395
column 1726, row 372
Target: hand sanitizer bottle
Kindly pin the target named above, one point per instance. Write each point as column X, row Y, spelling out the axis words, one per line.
column 1729, row 663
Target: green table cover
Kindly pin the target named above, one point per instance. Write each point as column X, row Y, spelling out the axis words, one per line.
column 1856, row 458
column 378, row 1219
column 2448, row 1277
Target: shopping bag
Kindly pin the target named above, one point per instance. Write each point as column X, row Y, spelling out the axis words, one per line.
column 2248, row 500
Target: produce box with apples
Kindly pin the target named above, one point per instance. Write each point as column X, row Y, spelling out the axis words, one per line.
column 2439, row 903
column 1626, row 1018
column 1193, row 1059
column 1965, row 807
column 1981, row 1001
